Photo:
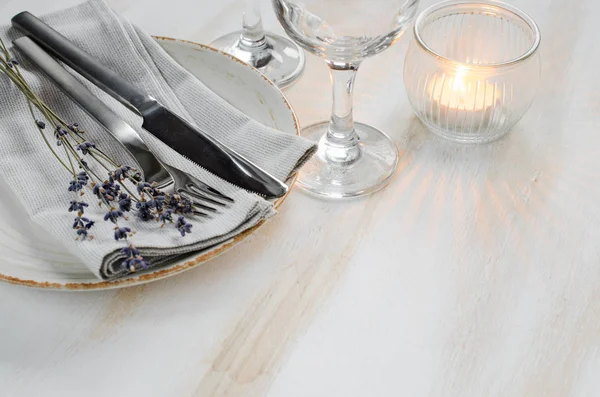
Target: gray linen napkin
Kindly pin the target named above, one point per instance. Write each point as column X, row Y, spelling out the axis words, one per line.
column 37, row 178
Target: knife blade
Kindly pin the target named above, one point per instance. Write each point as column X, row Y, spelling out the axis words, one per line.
column 167, row 126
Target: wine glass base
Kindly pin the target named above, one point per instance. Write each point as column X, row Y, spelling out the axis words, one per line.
column 280, row 59
column 371, row 171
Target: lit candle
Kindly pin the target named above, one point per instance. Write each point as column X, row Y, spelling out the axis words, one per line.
column 461, row 101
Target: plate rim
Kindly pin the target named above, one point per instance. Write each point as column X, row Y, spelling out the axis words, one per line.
column 160, row 274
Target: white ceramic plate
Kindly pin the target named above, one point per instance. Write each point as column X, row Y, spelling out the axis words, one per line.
column 31, row 257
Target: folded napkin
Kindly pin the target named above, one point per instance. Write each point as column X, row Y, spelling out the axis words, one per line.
column 41, row 183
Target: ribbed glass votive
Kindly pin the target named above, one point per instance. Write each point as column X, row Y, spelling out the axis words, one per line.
column 473, row 69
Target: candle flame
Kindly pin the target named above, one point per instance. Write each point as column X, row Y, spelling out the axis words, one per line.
column 458, row 83
column 462, row 91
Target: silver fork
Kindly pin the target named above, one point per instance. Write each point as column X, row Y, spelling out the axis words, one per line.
column 199, row 193
column 205, row 198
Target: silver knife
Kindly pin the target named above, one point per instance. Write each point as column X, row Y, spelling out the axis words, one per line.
column 187, row 140
column 150, row 166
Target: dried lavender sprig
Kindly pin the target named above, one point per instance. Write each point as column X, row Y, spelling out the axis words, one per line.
column 160, row 205
column 44, row 137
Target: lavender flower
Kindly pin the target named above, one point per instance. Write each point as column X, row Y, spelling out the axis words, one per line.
column 98, row 191
column 121, row 233
column 75, row 186
column 157, row 202
column 143, row 186
column 132, row 264
column 79, row 222
column 185, row 206
column 188, row 207
column 74, row 127
column 124, row 202
column 89, row 224
column 108, row 191
column 166, row 216
column 40, row 124
column 78, row 206
column 14, row 61
column 183, row 226
column 79, row 182
column 82, row 233
column 60, row 132
column 113, row 215
column 121, row 172
column 133, row 261
column 85, row 147
column 112, row 189
column 144, row 210
column 174, row 200
column 180, row 205
column 83, row 177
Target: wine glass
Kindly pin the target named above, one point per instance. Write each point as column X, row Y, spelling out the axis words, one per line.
column 353, row 158
column 277, row 57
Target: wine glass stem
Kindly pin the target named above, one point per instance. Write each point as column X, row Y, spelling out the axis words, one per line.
column 341, row 140
column 253, row 35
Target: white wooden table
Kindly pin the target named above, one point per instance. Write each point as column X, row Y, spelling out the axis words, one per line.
column 476, row 272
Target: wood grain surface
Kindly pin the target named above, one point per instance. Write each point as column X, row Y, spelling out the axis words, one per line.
column 476, row 272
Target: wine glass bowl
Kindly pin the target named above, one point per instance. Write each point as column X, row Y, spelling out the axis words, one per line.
column 352, row 159
column 335, row 31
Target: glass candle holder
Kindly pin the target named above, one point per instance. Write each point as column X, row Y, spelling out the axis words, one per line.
column 473, row 69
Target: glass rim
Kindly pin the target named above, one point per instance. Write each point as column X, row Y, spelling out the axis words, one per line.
column 498, row 4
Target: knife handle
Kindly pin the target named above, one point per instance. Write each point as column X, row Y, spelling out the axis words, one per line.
column 80, row 61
